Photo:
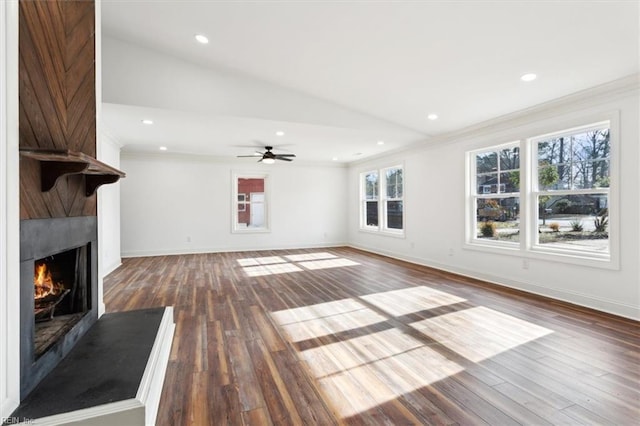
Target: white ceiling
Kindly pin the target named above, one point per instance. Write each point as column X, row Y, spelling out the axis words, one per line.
column 380, row 66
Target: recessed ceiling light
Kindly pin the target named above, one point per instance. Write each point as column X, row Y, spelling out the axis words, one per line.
column 380, row 142
column 528, row 77
column 163, row 148
column 280, row 133
column 147, row 121
column 432, row 116
column 334, row 159
column 202, row 39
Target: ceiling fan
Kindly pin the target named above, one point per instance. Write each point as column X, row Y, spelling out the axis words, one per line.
column 269, row 157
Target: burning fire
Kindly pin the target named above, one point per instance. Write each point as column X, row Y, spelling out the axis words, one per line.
column 44, row 285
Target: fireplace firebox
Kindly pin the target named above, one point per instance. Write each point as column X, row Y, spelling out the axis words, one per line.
column 58, row 291
column 61, row 295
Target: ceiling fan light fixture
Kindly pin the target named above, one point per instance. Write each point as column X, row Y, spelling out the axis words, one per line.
column 268, row 160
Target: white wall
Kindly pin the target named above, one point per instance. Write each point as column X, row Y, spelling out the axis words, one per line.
column 109, row 207
column 9, row 212
column 435, row 216
column 182, row 204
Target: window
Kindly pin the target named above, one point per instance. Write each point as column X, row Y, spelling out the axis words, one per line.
column 382, row 200
column 564, row 182
column 571, row 189
column 496, row 195
column 242, row 202
column 370, row 206
column 250, row 213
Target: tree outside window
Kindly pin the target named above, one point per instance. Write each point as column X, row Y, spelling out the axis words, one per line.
column 393, row 206
column 565, row 183
column 572, row 189
column 371, row 199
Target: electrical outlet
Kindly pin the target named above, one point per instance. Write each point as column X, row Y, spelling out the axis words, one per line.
column 451, row 252
column 188, row 238
column 525, row 263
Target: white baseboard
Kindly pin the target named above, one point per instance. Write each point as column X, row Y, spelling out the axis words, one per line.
column 173, row 252
column 109, row 269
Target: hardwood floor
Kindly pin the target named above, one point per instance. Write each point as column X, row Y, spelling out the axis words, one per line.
column 340, row 336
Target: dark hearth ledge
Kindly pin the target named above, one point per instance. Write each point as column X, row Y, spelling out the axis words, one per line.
column 106, row 366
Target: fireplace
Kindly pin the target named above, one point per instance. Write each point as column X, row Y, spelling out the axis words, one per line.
column 58, row 291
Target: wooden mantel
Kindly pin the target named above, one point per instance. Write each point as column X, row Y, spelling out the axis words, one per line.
column 55, row 163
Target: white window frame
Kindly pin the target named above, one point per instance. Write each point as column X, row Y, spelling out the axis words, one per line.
column 242, row 200
column 528, row 246
column 473, row 195
column 535, row 192
column 235, row 226
column 382, row 199
column 364, row 200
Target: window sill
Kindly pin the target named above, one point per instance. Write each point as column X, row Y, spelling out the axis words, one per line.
column 250, row 231
column 376, row 231
column 545, row 254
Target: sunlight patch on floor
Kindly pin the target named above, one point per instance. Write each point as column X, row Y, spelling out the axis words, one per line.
column 360, row 363
column 254, row 261
column 479, row 333
column 310, row 322
column 310, row 256
column 320, row 310
column 278, row 268
column 410, row 300
column 326, row 264
column 364, row 372
column 269, row 265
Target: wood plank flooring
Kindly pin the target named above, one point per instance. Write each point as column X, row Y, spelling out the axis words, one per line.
column 340, row 336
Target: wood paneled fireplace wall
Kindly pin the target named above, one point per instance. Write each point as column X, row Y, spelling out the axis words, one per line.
column 58, row 178
column 57, row 101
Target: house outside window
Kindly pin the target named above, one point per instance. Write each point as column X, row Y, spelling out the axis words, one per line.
column 382, row 200
column 552, row 201
column 496, row 194
column 250, row 203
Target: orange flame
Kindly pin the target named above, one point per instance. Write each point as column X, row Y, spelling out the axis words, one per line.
column 43, row 283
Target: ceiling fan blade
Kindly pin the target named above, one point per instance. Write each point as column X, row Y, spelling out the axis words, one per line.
column 285, row 155
column 247, row 156
column 278, row 157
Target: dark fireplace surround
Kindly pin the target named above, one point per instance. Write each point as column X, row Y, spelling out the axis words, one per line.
column 48, row 239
